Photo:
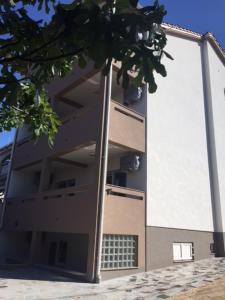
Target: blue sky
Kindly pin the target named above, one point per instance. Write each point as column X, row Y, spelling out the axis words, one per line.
column 197, row 15
column 6, row 138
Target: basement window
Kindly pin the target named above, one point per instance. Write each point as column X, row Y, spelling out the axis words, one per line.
column 119, row 251
column 183, row 252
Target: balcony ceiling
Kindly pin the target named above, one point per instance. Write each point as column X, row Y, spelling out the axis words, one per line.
column 85, row 155
column 85, row 92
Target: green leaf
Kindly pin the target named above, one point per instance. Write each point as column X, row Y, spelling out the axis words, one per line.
column 168, row 55
column 76, row 34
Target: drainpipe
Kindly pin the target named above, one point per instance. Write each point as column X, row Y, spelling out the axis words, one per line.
column 103, row 171
column 8, row 180
column 211, row 145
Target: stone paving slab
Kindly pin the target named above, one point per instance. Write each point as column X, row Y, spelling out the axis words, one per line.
column 211, row 291
column 35, row 284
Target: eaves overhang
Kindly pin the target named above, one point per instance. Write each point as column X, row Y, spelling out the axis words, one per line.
column 195, row 36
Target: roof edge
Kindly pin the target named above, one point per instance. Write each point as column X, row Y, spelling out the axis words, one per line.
column 195, row 36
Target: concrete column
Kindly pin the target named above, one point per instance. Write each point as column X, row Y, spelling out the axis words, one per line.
column 212, row 156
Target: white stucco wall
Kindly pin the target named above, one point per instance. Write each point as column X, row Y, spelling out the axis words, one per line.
column 178, row 188
column 217, row 78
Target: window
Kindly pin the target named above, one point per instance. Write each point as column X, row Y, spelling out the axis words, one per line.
column 119, row 251
column 117, row 178
column 183, row 252
column 62, row 252
column 66, row 183
column 212, row 248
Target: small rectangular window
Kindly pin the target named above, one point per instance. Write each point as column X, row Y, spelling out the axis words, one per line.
column 183, row 252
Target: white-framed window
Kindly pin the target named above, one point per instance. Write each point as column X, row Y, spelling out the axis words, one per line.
column 183, row 252
column 119, row 251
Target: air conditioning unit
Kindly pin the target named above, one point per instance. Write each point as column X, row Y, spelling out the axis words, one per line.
column 132, row 95
column 131, row 163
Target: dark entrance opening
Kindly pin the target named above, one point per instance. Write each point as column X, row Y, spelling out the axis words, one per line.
column 52, row 253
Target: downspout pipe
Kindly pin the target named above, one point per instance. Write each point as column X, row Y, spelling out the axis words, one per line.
column 103, row 171
column 8, row 181
column 211, row 147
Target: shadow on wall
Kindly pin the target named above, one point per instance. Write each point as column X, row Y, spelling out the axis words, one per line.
column 219, row 244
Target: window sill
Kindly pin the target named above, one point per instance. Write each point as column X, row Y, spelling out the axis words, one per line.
column 120, row 269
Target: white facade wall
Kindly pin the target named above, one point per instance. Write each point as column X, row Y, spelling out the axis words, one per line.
column 178, row 187
column 217, row 79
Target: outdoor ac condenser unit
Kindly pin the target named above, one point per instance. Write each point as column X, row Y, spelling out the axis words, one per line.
column 131, row 163
column 132, row 95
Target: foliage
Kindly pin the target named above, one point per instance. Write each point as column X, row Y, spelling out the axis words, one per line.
column 33, row 52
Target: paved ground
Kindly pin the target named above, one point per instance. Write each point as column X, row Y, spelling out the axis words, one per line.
column 30, row 283
column 211, row 291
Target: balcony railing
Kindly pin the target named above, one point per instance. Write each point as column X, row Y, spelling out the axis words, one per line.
column 127, row 127
column 77, row 129
column 130, row 194
column 123, row 208
column 69, row 209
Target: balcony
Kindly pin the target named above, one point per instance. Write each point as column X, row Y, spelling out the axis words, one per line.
column 60, row 210
column 4, row 169
column 124, row 207
column 77, row 129
column 127, row 127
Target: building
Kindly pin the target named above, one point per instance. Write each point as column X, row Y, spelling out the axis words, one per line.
column 5, row 154
column 163, row 201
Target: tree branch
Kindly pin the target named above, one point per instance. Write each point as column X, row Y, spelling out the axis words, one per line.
column 9, row 45
column 25, row 54
column 40, row 59
column 14, row 81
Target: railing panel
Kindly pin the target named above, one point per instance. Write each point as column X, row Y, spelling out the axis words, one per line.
column 127, row 127
column 63, row 210
column 78, row 129
column 123, row 208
